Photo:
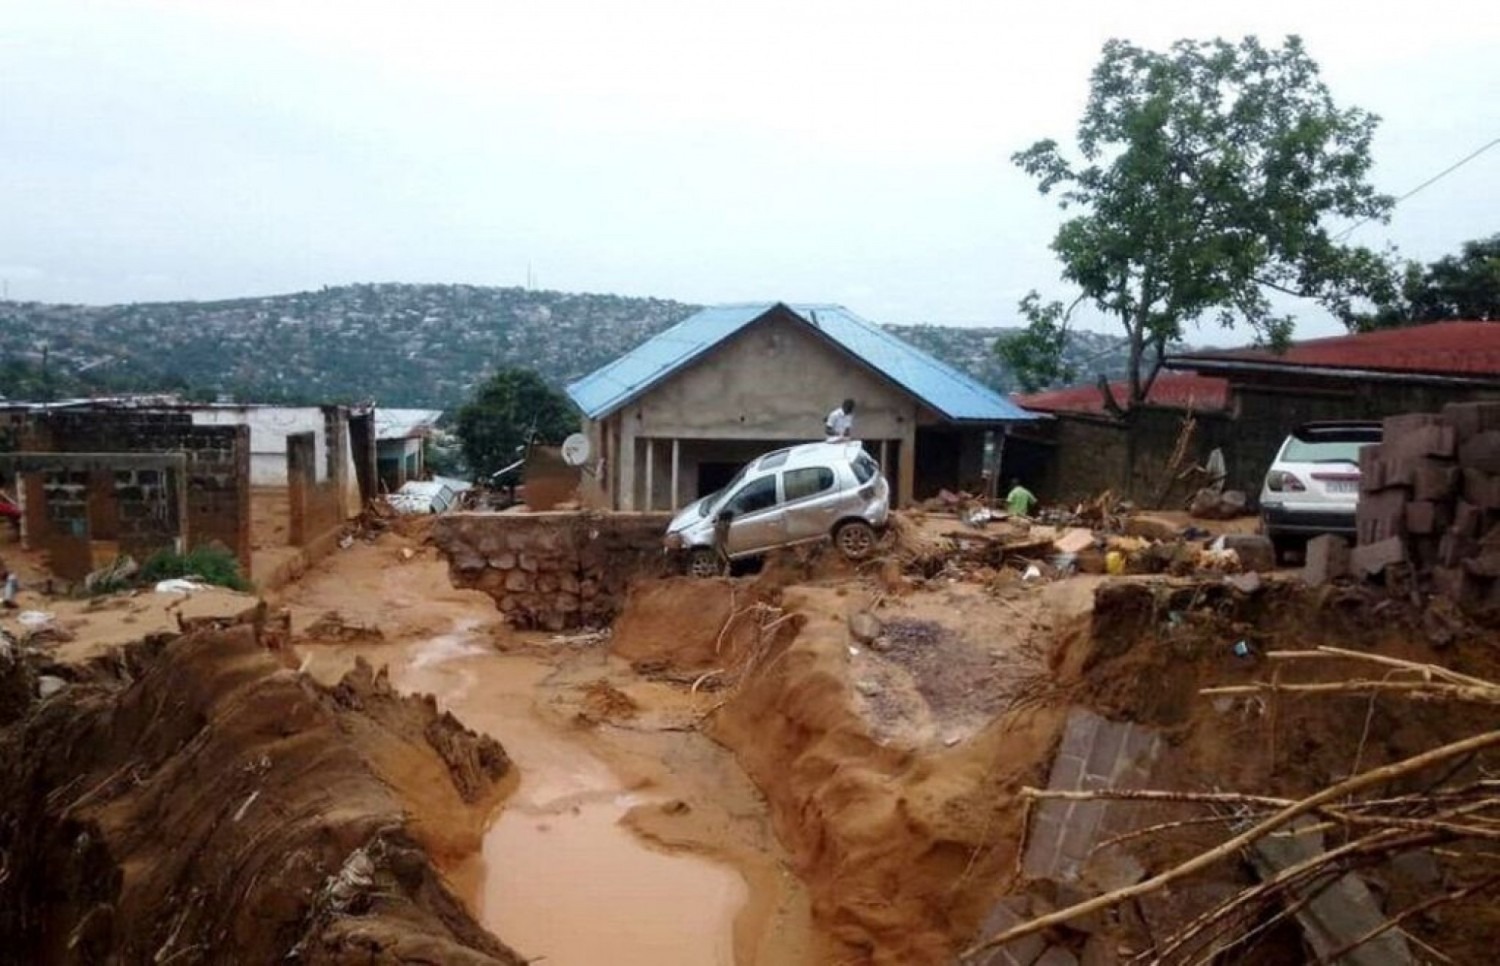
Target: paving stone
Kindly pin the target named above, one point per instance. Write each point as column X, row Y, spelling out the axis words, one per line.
column 1008, row 913
column 1467, row 519
column 1371, row 469
column 1470, row 419
column 1380, row 516
column 1481, row 452
column 1371, row 559
column 1435, row 480
column 1420, row 441
column 1482, row 488
column 1327, row 559
column 1425, row 517
column 1337, row 915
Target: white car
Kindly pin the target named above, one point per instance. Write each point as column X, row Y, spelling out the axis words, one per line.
column 1313, row 484
column 796, row 495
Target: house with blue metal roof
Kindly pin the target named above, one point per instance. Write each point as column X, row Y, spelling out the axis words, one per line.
column 678, row 415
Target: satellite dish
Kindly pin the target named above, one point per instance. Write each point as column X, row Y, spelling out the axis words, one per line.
column 575, row 450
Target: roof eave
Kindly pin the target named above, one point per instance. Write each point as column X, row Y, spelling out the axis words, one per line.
column 1233, row 366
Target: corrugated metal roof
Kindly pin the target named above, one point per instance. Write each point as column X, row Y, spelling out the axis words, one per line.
column 405, row 423
column 942, row 388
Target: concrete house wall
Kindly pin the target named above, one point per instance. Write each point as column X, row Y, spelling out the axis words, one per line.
column 769, row 385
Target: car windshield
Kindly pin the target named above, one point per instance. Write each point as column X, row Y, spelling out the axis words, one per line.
column 706, row 505
column 1322, row 450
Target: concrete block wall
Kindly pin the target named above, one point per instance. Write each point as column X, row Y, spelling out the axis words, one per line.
column 1430, row 499
column 553, row 570
column 218, row 463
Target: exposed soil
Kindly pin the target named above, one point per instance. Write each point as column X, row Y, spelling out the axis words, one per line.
column 194, row 801
column 819, row 764
column 631, row 837
column 1150, row 647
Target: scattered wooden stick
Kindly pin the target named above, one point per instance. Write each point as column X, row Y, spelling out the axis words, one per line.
column 1427, row 670
column 1376, row 776
column 1419, row 690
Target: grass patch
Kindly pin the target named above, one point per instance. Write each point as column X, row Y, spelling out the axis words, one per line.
column 212, row 565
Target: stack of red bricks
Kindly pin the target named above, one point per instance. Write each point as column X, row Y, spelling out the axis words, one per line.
column 1430, row 500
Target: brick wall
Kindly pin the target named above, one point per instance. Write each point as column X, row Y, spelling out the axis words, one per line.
column 1267, row 410
column 217, row 474
column 1075, row 457
column 316, row 509
column 552, row 570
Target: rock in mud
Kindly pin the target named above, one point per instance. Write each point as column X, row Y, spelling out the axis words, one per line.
column 865, row 627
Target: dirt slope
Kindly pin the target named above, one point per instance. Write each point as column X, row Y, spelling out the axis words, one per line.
column 195, row 802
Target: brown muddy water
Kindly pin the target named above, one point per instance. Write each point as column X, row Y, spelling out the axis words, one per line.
column 559, row 876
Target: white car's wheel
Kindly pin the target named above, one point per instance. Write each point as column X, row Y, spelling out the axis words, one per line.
column 703, row 562
column 855, row 539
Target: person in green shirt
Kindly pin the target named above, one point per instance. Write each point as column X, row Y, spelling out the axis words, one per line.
column 1019, row 500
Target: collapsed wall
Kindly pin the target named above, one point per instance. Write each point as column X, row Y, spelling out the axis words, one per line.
column 552, row 570
column 194, row 802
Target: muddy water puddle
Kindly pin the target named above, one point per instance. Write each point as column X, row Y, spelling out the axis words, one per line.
column 558, row 875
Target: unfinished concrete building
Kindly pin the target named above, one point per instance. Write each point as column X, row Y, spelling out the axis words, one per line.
column 677, row 416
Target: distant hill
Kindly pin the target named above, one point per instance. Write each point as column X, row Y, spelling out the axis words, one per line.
column 401, row 345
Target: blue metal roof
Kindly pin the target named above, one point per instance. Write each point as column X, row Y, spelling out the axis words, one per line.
column 942, row 388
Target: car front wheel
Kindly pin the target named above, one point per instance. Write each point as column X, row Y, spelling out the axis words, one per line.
column 703, row 562
column 855, row 539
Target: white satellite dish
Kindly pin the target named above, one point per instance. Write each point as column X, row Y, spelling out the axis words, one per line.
column 575, row 450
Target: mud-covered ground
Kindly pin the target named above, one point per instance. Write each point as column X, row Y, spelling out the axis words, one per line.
column 818, row 764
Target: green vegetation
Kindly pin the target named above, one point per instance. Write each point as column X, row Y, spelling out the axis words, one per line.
column 211, row 564
column 1206, row 177
column 514, row 408
column 1038, row 353
column 1463, row 287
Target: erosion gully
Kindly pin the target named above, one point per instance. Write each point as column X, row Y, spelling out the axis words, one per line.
column 560, row 875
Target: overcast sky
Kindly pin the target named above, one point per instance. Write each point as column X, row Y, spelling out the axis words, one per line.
column 693, row 149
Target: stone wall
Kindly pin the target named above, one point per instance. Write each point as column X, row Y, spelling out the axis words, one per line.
column 553, row 570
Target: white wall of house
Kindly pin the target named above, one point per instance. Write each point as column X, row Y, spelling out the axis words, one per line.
column 269, row 428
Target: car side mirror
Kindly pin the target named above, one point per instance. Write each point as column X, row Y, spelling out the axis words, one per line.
column 725, row 516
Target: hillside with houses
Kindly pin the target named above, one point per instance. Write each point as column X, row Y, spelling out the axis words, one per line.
column 403, row 345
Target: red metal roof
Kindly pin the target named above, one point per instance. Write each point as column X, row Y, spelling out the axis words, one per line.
column 1181, row 390
column 1439, row 348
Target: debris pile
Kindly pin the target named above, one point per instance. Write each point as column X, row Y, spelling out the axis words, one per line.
column 1429, row 506
column 1269, row 800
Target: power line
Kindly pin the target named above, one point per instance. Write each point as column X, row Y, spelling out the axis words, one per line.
column 1429, row 182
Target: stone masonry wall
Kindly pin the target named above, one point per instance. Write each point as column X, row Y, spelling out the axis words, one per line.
column 553, row 570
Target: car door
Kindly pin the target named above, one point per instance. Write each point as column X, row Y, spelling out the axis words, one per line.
column 811, row 502
column 757, row 522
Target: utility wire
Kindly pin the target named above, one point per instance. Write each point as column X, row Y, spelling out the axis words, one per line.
column 1429, row 182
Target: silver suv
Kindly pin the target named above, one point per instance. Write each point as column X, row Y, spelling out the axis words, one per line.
column 1313, row 484
column 791, row 496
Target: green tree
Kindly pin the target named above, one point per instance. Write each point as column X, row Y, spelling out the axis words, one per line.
column 1035, row 355
column 1207, row 172
column 1463, row 287
column 512, row 409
